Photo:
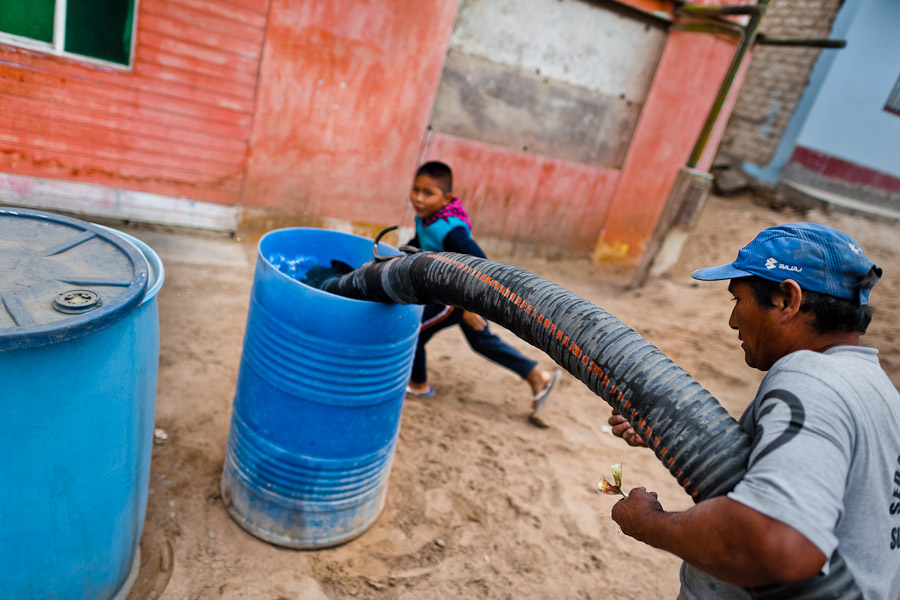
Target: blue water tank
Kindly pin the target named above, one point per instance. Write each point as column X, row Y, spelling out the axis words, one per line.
column 79, row 348
column 319, row 395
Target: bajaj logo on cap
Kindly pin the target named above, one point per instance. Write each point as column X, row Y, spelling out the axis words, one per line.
column 771, row 263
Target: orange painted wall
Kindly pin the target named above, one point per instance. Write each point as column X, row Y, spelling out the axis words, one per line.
column 345, row 93
column 526, row 199
column 178, row 124
column 683, row 90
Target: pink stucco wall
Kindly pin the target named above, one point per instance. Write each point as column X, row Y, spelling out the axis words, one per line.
column 525, row 199
column 684, row 88
column 344, row 96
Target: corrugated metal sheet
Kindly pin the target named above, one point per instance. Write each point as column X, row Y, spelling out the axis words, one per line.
column 178, row 124
column 658, row 8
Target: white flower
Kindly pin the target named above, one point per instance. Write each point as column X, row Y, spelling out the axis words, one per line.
column 609, row 488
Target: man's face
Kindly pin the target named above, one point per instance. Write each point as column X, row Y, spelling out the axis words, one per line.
column 427, row 197
column 756, row 326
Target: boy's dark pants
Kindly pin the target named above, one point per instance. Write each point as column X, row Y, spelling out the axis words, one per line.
column 437, row 317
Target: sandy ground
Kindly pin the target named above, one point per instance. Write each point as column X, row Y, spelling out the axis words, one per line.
column 481, row 503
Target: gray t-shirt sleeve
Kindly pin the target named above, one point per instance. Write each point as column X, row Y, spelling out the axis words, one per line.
column 801, row 455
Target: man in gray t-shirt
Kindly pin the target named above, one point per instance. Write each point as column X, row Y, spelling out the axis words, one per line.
column 824, row 472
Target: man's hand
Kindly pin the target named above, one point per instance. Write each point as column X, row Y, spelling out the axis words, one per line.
column 474, row 321
column 623, row 429
column 722, row 537
column 635, row 512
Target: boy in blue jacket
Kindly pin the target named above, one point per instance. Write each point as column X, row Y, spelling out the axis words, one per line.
column 442, row 225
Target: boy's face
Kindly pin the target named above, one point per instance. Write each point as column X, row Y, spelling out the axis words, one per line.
column 427, row 197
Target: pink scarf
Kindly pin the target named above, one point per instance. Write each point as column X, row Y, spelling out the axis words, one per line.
column 454, row 209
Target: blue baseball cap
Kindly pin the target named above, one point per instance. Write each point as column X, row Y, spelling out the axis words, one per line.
column 819, row 258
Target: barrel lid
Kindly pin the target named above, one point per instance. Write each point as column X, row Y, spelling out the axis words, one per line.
column 61, row 278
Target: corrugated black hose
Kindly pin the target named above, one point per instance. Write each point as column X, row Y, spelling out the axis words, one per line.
column 688, row 430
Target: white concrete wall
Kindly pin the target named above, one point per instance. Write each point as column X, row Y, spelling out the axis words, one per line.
column 560, row 78
column 571, row 41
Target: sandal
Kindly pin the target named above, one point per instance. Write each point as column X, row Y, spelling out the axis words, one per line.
column 540, row 399
column 426, row 394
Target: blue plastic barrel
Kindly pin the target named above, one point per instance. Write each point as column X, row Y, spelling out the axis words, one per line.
column 319, row 395
column 79, row 348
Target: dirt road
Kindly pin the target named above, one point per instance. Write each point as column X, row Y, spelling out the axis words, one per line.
column 481, row 503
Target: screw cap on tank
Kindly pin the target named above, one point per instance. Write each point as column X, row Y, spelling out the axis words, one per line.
column 76, row 301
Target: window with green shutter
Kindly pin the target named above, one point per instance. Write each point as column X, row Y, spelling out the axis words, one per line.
column 100, row 30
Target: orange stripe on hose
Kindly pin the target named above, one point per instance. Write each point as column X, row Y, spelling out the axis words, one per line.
column 625, row 406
